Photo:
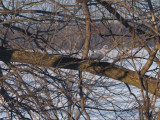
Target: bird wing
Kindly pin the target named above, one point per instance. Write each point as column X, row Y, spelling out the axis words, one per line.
column 96, row 56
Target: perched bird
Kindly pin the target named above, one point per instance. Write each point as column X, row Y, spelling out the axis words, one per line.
column 98, row 55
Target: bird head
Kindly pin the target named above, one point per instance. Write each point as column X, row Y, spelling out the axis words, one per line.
column 105, row 47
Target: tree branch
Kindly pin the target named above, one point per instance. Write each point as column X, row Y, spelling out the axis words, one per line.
column 99, row 68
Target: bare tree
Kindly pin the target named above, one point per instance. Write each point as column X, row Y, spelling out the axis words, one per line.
column 45, row 72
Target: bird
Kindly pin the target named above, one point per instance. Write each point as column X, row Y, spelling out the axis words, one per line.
column 98, row 55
